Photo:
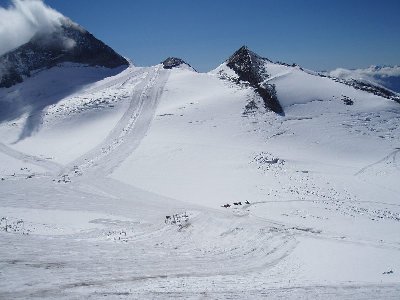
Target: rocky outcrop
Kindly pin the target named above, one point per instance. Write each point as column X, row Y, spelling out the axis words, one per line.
column 251, row 68
column 67, row 43
column 174, row 62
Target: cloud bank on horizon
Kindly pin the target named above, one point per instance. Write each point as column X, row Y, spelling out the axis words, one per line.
column 372, row 70
column 23, row 19
column 387, row 76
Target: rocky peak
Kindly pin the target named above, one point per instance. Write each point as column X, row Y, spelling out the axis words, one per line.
column 67, row 43
column 174, row 62
column 250, row 67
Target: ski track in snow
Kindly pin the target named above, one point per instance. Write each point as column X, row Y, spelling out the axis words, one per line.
column 128, row 251
column 391, row 156
column 248, row 246
column 44, row 163
column 128, row 131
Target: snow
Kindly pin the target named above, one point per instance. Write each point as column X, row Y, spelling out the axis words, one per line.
column 113, row 158
column 295, row 86
column 11, row 165
column 73, row 90
column 224, row 70
column 178, row 149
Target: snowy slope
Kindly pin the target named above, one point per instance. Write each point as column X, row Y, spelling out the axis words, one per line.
column 326, row 170
column 87, row 193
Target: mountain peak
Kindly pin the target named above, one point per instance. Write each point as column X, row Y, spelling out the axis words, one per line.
column 174, row 62
column 250, row 67
column 68, row 42
column 244, row 50
column 245, row 55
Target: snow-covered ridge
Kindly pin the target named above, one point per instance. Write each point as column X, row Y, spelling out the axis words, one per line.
column 271, row 81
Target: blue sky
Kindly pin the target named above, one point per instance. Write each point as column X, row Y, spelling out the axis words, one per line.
column 317, row 34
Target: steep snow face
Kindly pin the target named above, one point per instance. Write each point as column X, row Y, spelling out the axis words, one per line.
column 67, row 43
column 388, row 76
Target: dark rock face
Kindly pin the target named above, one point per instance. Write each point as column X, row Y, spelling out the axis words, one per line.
column 251, row 68
column 68, row 43
column 248, row 65
column 173, row 62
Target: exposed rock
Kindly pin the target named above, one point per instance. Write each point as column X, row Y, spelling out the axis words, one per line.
column 68, row 43
column 251, row 68
column 174, row 62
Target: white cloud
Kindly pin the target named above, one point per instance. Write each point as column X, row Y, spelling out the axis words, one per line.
column 372, row 71
column 388, row 77
column 23, row 19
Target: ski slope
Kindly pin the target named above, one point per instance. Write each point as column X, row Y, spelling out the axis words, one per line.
column 85, row 195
